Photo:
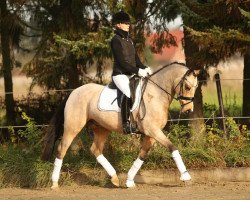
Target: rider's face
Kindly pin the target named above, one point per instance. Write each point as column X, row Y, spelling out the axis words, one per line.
column 123, row 26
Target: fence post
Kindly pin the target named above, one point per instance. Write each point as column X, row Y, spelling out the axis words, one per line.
column 220, row 99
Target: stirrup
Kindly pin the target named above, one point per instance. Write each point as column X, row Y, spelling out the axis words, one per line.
column 129, row 128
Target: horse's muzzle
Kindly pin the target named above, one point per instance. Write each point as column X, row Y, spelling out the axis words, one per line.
column 187, row 108
column 189, row 111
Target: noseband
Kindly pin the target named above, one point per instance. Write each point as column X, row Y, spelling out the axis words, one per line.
column 181, row 97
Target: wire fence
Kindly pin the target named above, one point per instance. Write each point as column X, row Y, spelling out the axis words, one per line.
column 69, row 90
column 170, row 120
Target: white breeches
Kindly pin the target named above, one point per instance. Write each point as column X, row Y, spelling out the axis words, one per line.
column 122, row 82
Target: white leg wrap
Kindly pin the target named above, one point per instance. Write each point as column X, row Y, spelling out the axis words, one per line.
column 56, row 170
column 185, row 176
column 178, row 160
column 133, row 171
column 106, row 165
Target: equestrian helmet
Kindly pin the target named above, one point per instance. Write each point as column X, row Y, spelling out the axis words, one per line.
column 120, row 17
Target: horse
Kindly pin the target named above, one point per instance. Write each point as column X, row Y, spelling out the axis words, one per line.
column 80, row 110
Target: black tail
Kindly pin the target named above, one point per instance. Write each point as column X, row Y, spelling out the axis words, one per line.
column 53, row 131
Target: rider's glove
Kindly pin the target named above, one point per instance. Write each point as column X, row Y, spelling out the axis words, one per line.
column 149, row 71
column 142, row 73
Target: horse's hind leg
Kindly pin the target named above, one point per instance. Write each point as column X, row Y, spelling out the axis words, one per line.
column 100, row 137
column 146, row 145
column 68, row 136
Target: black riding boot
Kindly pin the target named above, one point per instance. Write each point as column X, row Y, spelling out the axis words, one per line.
column 125, row 112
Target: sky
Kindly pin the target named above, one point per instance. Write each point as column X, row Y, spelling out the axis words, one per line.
column 176, row 24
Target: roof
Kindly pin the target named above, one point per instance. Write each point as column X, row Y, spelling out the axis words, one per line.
column 173, row 53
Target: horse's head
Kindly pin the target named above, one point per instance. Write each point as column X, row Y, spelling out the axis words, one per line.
column 185, row 89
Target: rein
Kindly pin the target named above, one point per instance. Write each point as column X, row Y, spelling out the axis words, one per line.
column 179, row 97
column 183, row 64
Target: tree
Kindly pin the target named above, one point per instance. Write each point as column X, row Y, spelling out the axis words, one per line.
column 10, row 30
column 246, row 88
column 6, row 63
column 218, row 30
column 197, row 126
column 75, row 35
column 246, row 77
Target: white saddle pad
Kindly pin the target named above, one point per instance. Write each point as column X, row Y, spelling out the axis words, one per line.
column 108, row 99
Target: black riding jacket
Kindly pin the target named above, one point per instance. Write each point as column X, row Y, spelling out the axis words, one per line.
column 126, row 60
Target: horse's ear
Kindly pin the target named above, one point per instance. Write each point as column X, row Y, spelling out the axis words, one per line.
column 196, row 72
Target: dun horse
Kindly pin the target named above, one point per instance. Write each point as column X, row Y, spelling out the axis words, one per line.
column 80, row 110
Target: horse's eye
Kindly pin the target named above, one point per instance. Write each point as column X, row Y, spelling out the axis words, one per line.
column 187, row 87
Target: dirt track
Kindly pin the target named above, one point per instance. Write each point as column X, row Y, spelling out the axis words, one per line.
column 208, row 191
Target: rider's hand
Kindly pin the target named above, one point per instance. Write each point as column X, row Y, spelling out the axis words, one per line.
column 149, row 71
column 142, row 73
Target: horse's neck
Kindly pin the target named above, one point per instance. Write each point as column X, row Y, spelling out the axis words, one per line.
column 167, row 78
column 161, row 81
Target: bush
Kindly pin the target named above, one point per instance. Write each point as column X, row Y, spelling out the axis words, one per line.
column 21, row 166
column 240, row 158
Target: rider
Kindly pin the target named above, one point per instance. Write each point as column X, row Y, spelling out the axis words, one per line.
column 126, row 64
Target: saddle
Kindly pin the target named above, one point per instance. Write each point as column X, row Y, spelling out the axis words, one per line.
column 110, row 97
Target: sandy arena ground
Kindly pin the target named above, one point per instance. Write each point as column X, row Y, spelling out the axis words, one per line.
column 204, row 191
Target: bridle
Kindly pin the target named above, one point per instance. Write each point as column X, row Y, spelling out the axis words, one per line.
column 180, row 83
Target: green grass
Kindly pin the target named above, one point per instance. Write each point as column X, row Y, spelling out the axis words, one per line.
column 232, row 95
column 22, row 170
column 238, row 158
column 2, row 116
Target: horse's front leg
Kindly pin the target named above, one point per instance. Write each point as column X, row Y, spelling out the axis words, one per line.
column 159, row 136
column 100, row 137
column 147, row 143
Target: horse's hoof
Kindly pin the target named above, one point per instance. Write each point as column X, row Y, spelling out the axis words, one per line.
column 115, row 181
column 185, row 176
column 54, row 186
column 130, row 184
